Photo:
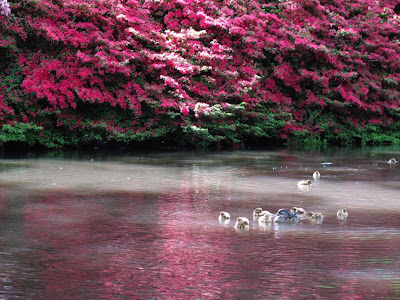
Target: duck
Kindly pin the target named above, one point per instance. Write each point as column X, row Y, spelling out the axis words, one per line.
column 300, row 212
column 285, row 216
column 392, row 161
column 266, row 218
column 224, row 216
column 258, row 212
column 315, row 216
column 316, row 175
column 304, row 182
column 242, row 223
column 342, row 213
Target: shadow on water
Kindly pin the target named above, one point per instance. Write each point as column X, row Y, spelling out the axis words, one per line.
column 146, row 226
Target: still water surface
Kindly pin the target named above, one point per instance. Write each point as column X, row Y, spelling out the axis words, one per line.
column 145, row 226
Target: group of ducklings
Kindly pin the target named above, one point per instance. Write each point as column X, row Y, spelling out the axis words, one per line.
column 317, row 175
column 286, row 215
column 282, row 216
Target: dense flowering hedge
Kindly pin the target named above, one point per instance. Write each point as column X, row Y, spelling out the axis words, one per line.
column 199, row 73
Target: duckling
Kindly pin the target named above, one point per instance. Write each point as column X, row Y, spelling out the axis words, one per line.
column 285, row 216
column 266, row 218
column 242, row 223
column 224, row 216
column 300, row 212
column 342, row 213
column 266, row 212
column 315, row 216
column 316, row 175
column 392, row 161
column 257, row 212
column 304, row 182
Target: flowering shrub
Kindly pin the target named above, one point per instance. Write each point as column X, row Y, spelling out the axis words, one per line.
column 4, row 8
column 200, row 72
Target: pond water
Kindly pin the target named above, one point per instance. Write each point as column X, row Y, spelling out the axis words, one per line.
column 145, row 226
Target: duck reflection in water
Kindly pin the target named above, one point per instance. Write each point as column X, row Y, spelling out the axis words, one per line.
column 285, row 216
column 242, row 223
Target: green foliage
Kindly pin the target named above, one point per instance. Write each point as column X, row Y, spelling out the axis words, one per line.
column 198, row 137
column 20, row 132
column 51, row 140
column 307, row 140
column 373, row 135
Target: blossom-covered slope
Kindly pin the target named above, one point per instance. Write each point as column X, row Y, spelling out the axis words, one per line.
column 202, row 73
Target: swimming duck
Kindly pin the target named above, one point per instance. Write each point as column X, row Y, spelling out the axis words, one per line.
column 258, row 212
column 316, row 175
column 342, row 213
column 300, row 212
column 223, row 216
column 266, row 218
column 304, row 182
column 242, row 223
column 315, row 216
column 285, row 216
column 392, row 161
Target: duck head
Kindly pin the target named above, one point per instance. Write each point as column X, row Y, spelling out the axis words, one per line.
column 299, row 210
column 257, row 211
column 315, row 215
column 304, row 182
column 243, row 221
column 224, row 215
column 266, row 218
column 342, row 213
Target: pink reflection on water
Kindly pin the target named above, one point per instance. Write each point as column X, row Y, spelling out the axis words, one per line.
column 168, row 244
column 181, row 253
